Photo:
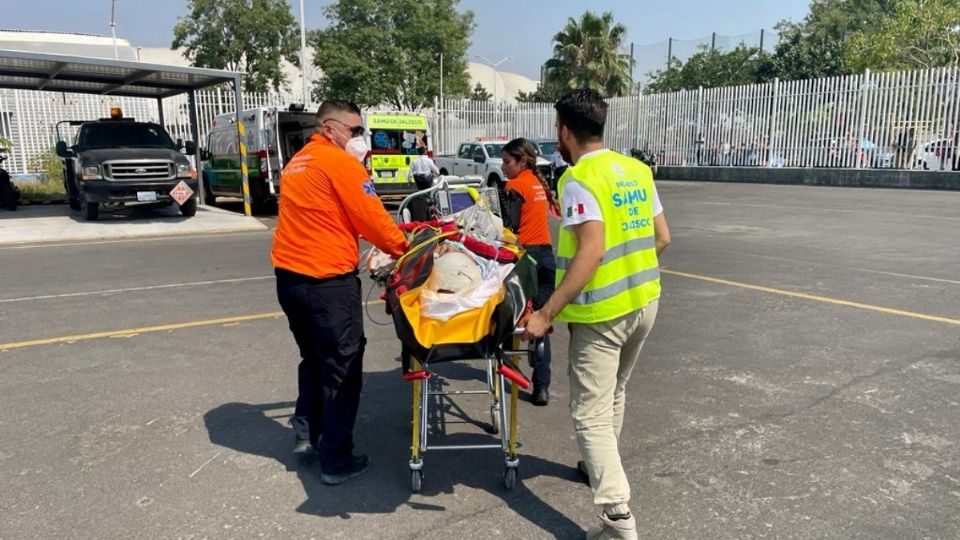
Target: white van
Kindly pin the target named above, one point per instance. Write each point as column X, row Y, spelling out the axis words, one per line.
column 273, row 137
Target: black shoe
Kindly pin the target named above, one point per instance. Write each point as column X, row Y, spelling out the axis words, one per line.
column 584, row 474
column 301, row 430
column 358, row 464
column 541, row 396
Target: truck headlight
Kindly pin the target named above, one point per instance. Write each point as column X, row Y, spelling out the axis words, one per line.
column 184, row 170
column 91, row 173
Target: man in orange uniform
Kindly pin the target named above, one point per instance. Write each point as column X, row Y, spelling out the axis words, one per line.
column 328, row 201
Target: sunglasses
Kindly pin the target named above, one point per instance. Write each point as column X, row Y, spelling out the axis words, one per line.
column 355, row 131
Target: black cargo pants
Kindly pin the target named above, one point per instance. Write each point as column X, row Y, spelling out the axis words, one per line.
column 326, row 319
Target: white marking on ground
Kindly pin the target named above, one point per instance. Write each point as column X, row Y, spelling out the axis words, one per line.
column 205, row 463
column 132, row 289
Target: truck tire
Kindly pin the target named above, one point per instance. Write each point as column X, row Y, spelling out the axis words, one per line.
column 72, row 198
column 494, row 181
column 443, row 172
column 9, row 195
column 208, row 197
column 89, row 210
column 189, row 208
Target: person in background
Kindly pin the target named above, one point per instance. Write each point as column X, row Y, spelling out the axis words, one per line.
column 423, row 169
column 328, row 202
column 536, row 200
column 557, row 167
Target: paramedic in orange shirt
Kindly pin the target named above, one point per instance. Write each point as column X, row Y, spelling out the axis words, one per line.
column 328, row 201
column 537, row 202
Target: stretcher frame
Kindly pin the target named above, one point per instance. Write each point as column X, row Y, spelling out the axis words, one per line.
column 502, row 372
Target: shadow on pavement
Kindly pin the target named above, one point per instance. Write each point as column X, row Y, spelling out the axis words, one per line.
column 382, row 432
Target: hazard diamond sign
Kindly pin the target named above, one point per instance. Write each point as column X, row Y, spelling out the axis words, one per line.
column 181, row 193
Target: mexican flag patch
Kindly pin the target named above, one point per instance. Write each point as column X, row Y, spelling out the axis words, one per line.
column 575, row 210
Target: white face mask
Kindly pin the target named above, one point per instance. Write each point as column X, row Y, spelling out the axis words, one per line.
column 357, row 147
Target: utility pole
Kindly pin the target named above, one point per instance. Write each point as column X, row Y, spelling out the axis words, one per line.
column 441, row 107
column 303, row 57
column 113, row 27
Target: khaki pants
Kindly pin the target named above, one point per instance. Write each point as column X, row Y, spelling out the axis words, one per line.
column 602, row 355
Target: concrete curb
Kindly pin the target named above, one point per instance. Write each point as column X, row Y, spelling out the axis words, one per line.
column 816, row 177
column 46, row 224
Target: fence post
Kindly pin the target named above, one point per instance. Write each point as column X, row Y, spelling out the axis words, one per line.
column 772, row 128
column 638, row 128
column 700, row 141
column 21, row 130
column 437, row 121
column 862, row 118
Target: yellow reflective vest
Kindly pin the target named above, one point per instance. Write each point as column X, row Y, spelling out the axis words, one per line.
column 629, row 275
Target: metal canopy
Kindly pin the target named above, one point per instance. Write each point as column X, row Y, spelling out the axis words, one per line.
column 63, row 73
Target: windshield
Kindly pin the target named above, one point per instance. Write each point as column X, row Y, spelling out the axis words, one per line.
column 123, row 135
column 493, row 150
column 396, row 141
column 547, row 148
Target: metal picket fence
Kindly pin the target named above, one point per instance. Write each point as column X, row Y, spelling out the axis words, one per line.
column 29, row 118
column 906, row 119
column 874, row 120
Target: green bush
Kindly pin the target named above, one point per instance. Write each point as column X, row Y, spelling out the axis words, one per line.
column 49, row 166
column 50, row 186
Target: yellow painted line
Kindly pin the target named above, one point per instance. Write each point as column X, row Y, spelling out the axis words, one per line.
column 131, row 332
column 817, row 298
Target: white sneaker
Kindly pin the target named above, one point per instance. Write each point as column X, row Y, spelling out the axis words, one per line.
column 621, row 529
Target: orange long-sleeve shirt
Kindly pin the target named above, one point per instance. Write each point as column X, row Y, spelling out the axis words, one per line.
column 327, row 201
column 534, row 228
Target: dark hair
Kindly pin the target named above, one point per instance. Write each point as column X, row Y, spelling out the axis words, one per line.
column 584, row 112
column 421, row 150
column 522, row 148
column 336, row 105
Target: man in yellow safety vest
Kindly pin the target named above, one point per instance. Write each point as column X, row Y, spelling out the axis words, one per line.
column 608, row 289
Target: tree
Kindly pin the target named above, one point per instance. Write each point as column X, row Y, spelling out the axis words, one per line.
column 587, row 54
column 252, row 36
column 711, row 68
column 379, row 52
column 551, row 90
column 480, row 93
column 815, row 46
column 920, row 34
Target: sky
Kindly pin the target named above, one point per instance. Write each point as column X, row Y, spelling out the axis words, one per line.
column 516, row 29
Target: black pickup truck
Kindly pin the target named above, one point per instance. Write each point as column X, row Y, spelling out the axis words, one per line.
column 118, row 162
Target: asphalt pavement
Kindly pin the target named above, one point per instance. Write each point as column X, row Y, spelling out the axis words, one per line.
column 802, row 381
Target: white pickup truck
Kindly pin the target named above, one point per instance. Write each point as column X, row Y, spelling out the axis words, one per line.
column 482, row 159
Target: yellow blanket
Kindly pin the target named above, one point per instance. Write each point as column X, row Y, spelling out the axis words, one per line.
column 467, row 327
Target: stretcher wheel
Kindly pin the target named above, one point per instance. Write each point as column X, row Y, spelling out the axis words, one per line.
column 494, row 419
column 416, row 481
column 510, row 477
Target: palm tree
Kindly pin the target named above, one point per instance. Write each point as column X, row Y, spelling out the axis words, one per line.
column 586, row 54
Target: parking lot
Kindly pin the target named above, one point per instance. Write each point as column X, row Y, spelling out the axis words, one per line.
column 802, row 381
